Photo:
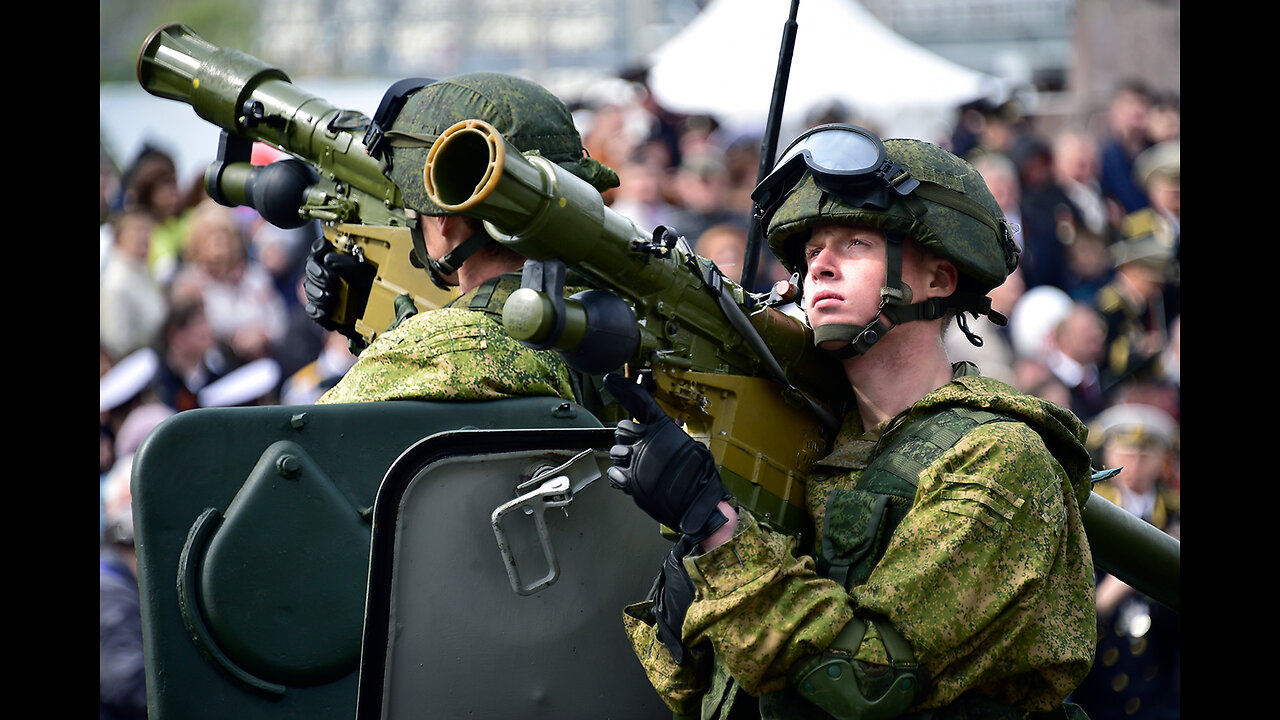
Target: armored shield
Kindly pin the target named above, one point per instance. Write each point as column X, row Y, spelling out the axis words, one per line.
column 255, row 527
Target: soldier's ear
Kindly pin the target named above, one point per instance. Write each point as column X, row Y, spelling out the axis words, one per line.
column 943, row 277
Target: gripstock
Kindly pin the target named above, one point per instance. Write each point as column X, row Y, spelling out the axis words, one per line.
column 330, row 176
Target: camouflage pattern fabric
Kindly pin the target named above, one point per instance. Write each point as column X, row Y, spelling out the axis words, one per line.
column 453, row 353
column 989, row 575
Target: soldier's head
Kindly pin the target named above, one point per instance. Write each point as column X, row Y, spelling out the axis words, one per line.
column 928, row 209
column 526, row 114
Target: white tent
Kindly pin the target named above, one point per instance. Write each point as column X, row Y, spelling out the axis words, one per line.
column 724, row 63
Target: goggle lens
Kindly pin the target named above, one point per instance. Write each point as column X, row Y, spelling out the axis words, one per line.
column 837, row 149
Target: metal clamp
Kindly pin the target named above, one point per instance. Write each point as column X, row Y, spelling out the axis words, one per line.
column 558, row 491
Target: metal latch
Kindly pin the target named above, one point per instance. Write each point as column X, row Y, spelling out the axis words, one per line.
column 555, row 487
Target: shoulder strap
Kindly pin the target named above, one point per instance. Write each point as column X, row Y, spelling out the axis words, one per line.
column 896, row 469
column 492, row 294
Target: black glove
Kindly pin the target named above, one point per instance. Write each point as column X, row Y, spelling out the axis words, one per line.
column 672, row 594
column 671, row 476
column 325, row 267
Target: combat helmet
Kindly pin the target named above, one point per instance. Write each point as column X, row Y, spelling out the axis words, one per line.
column 525, row 113
column 905, row 188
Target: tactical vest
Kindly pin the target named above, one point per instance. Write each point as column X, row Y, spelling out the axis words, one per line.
column 857, row 527
column 859, row 521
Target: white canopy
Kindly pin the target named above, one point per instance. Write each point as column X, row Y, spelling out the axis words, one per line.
column 724, row 63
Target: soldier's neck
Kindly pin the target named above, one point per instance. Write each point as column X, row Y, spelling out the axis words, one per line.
column 898, row 371
column 478, row 269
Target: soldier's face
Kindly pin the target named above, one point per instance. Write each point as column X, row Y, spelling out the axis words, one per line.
column 845, row 271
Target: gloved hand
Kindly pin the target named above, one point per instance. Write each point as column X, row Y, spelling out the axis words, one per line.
column 672, row 594
column 668, row 474
column 325, row 267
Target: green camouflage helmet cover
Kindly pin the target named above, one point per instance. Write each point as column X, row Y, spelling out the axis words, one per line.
column 525, row 113
column 952, row 213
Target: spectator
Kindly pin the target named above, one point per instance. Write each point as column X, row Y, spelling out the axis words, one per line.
column 1043, row 202
column 1158, row 169
column 1127, row 136
column 303, row 338
column 607, row 138
column 124, row 387
column 151, row 184
column 831, row 110
column 131, row 307
column 190, row 357
column 995, row 356
column 639, row 196
column 1132, row 304
column 726, row 246
column 1001, row 176
column 702, row 184
column 697, row 136
column 1171, row 358
column 999, row 130
column 1076, row 167
column 1164, row 118
column 282, row 253
column 1033, row 319
column 122, row 679
column 663, row 125
column 244, row 309
column 1073, row 357
column 1137, row 672
column 1089, row 264
column 1035, row 378
column 108, row 195
column 742, row 159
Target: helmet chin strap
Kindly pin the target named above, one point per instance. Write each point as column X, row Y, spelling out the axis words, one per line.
column 437, row 270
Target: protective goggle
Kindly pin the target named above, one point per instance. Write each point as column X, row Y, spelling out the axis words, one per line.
column 845, row 160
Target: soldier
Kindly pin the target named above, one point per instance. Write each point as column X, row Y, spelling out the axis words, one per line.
column 460, row 351
column 949, row 575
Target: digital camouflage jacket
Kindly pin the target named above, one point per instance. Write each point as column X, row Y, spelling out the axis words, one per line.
column 988, row 575
column 457, row 352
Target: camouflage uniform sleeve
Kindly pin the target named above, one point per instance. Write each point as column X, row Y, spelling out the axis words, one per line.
column 680, row 686
column 989, row 575
column 450, row 354
column 761, row 607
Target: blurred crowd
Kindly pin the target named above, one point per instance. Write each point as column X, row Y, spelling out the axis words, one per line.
column 201, row 304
